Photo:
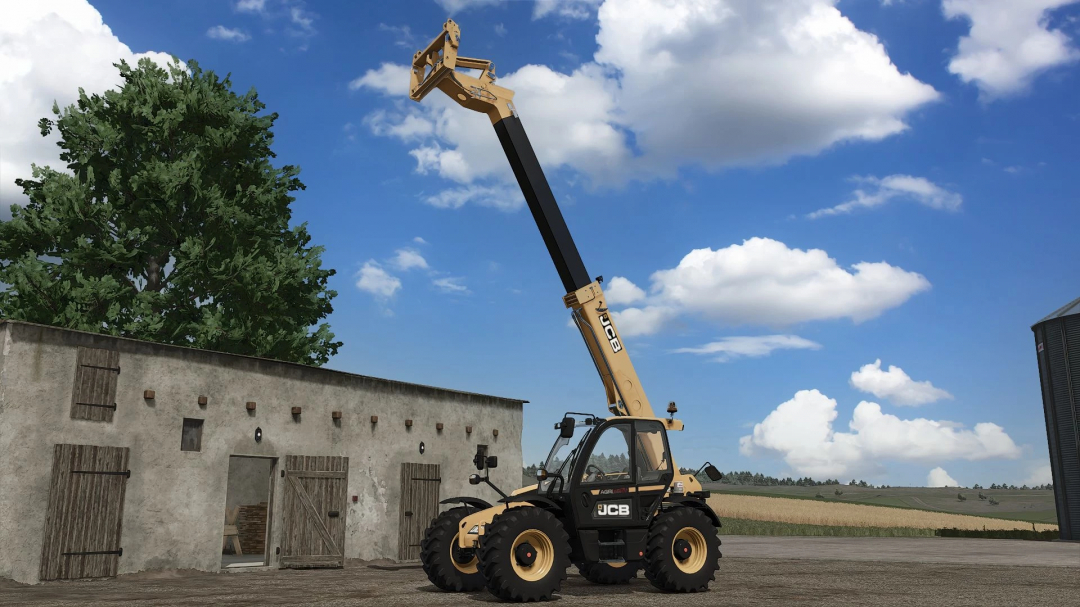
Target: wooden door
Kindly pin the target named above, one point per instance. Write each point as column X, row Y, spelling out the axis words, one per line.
column 419, row 505
column 85, row 511
column 316, row 502
column 94, row 394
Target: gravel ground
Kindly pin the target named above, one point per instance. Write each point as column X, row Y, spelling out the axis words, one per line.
column 742, row 580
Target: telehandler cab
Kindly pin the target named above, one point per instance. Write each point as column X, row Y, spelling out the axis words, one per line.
column 613, row 502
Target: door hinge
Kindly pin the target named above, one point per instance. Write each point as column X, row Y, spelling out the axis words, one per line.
column 119, row 552
column 112, row 406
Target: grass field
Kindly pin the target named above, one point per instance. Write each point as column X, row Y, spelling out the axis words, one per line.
column 738, row 526
column 1020, row 505
column 832, row 513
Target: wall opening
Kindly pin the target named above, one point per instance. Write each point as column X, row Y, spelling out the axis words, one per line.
column 191, row 435
column 246, row 535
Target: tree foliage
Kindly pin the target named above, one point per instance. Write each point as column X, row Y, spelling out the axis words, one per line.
column 172, row 226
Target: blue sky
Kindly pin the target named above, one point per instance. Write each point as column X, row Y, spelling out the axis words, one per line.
column 937, row 138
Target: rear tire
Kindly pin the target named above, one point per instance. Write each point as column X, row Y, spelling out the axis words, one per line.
column 445, row 565
column 683, row 551
column 524, row 553
column 606, row 573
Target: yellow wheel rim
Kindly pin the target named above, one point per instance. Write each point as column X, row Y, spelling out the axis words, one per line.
column 699, row 550
column 467, row 568
column 545, row 555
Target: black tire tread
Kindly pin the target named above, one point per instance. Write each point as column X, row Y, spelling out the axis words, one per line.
column 660, row 568
column 435, row 554
column 496, row 551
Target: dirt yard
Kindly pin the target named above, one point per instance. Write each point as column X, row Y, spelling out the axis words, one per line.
column 769, row 577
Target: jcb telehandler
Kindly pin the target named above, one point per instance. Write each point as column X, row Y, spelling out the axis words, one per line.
column 613, row 503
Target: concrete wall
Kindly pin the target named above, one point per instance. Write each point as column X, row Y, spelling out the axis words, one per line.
column 249, row 481
column 175, row 500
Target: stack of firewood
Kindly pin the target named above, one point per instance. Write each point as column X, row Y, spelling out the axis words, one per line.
column 251, row 525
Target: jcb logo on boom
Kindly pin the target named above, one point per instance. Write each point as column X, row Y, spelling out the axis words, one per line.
column 610, row 509
column 609, row 331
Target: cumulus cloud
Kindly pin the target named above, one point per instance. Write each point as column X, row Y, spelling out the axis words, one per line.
column 621, row 292
column 730, row 348
column 763, row 281
column 419, row 240
column 896, row 386
column 408, row 259
column 220, row 32
column 48, row 49
column 801, row 432
column 753, row 81
column 938, row 477
column 1009, row 44
column 377, row 281
column 876, row 192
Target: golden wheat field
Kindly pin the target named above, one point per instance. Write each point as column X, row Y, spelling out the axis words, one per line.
column 806, row 512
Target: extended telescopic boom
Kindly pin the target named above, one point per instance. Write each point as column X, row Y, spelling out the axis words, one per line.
column 436, row 67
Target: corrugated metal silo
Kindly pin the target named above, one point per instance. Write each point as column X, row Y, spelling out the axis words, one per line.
column 1057, row 346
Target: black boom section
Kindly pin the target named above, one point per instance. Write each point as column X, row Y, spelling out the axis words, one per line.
column 542, row 203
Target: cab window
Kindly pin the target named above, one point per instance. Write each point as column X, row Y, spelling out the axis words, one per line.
column 651, row 455
column 609, row 461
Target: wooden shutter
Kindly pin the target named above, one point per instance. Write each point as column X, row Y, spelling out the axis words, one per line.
column 419, row 506
column 316, row 502
column 94, row 395
column 85, row 512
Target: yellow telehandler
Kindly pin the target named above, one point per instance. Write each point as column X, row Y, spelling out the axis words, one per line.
column 613, row 501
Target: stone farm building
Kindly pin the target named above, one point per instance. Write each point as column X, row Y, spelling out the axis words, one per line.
column 118, row 455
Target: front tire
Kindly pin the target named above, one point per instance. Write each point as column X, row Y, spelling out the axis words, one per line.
column 446, row 565
column 524, row 553
column 607, row 573
column 682, row 552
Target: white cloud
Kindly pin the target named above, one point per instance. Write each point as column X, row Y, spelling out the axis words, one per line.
column 419, row 240
column 48, row 49
column 303, row 19
column 762, row 281
column 880, row 191
column 455, row 6
column 1041, row 475
column 1009, row 44
column 500, row 30
column 621, row 292
column 753, row 81
column 938, row 477
column 377, row 281
column 572, row 9
column 389, row 79
column 730, row 348
column 451, row 284
column 250, row 6
column 896, row 386
column 801, row 432
column 407, row 259
column 220, row 32
column 504, row 198
column 403, row 36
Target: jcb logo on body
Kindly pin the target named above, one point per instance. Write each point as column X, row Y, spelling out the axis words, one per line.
column 609, row 331
column 612, row 509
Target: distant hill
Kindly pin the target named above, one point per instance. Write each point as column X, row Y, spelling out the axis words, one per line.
column 1031, row 505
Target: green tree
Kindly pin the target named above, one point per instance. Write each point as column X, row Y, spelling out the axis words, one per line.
column 173, row 225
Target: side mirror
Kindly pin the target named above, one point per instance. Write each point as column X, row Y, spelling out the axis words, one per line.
column 492, row 462
column 474, row 479
column 713, row 474
column 541, row 475
column 566, row 427
column 481, row 457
